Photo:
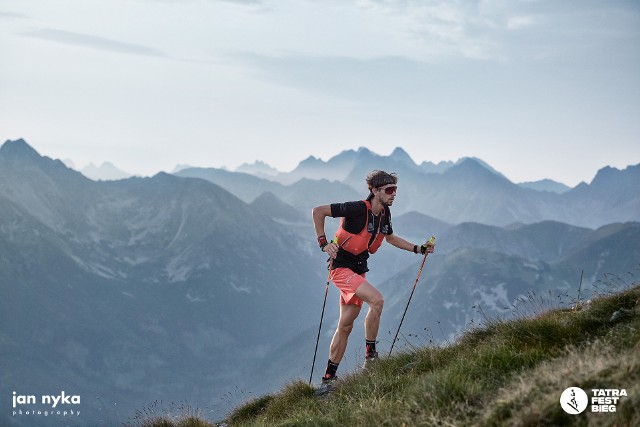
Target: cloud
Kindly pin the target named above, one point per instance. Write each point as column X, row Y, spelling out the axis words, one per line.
column 380, row 81
column 518, row 22
column 474, row 29
column 11, row 15
column 471, row 29
column 250, row 2
column 241, row 2
column 489, row 30
column 94, row 42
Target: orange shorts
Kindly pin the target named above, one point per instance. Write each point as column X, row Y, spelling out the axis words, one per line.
column 348, row 282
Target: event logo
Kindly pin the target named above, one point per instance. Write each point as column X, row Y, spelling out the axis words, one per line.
column 606, row 400
column 574, row 400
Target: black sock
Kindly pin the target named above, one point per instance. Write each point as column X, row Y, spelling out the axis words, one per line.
column 331, row 369
column 370, row 346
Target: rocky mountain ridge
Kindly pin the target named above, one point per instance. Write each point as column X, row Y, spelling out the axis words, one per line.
column 466, row 191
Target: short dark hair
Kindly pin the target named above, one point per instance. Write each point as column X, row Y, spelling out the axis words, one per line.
column 381, row 178
column 377, row 179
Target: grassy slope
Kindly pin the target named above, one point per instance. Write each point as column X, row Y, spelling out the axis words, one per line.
column 507, row 373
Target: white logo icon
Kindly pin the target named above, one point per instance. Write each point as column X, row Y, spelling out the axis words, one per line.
column 574, row 400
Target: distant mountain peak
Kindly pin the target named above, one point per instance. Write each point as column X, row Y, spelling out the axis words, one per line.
column 350, row 155
column 474, row 163
column 469, row 163
column 258, row 168
column 180, row 167
column 545, row 185
column 604, row 174
column 472, row 168
column 18, row 148
column 311, row 160
column 610, row 178
column 364, row 152
column 271, row 205
column 265, row 196
column 399, row 154
column 19, row 154
column 105, row 172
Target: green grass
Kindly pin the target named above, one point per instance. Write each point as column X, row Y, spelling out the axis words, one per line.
column 176, row 415
column 505, row 373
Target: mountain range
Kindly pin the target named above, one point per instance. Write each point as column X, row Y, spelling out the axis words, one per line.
column 462, row 191
column 105, row 172
column 177, row 288
column 465, row 191
column 139, row 289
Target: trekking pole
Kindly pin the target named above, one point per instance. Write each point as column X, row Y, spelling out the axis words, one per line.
column 326, row 292
column 431, row 240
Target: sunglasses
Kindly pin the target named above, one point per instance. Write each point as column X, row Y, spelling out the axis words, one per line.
column 390, row 190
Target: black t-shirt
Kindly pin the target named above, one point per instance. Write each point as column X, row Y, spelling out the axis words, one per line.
column 355, row 219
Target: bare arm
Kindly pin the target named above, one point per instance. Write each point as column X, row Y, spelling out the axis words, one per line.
column 399, row 242
column 319, row 214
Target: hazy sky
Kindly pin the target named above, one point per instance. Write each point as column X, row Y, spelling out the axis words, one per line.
column 538, row 89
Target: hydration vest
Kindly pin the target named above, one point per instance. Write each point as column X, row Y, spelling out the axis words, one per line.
column 358, row 243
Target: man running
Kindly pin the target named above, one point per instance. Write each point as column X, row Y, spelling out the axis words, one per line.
column 362, row 229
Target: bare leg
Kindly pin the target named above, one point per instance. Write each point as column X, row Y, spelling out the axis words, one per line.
column 374, row 298
column 348, row 314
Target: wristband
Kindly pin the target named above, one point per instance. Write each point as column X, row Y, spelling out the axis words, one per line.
column 415, row 249
column 322, row 241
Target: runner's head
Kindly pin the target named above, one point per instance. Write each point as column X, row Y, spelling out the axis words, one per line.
column 378, row 179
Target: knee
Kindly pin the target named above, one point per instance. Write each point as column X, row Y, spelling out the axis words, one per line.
column 377, row 303
column 346, row 328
